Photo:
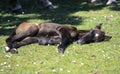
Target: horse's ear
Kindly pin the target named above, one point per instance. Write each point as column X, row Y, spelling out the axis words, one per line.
column 99, row 26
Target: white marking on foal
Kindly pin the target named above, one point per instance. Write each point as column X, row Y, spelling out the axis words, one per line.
column 96, row 35
column 7, row 48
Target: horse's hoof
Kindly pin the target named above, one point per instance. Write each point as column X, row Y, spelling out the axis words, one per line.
column 18, row 11
column 51, row 7
column 13, row 51
column 7, row 49
column 112, row 4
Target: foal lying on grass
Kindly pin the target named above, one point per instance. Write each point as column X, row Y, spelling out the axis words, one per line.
column 52, row 33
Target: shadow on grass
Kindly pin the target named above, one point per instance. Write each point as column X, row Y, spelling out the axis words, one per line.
column 61, row 13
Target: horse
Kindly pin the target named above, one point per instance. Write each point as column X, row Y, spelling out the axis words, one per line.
column 17, row 7
column 52, row 33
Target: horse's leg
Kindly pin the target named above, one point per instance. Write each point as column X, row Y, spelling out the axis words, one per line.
column 65, row 40
column 112, row 3
column 14, row 38
column 96, row 1
column 45, row 4
column 9, row 42
column 16, row 6
column 25, row 41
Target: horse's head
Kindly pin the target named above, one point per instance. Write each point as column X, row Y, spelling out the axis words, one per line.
column 100, row 35
column 94, row 35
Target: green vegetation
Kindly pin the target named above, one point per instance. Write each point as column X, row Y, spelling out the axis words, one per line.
column 94, row 58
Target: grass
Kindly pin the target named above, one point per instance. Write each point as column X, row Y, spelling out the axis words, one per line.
column 94, row 58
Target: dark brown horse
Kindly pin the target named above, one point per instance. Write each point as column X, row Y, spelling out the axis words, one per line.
column 17, row 7
column 52, row 33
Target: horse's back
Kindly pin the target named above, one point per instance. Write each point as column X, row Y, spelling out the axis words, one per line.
column 25, row 26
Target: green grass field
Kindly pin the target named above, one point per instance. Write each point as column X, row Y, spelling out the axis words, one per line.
column 94, row 58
